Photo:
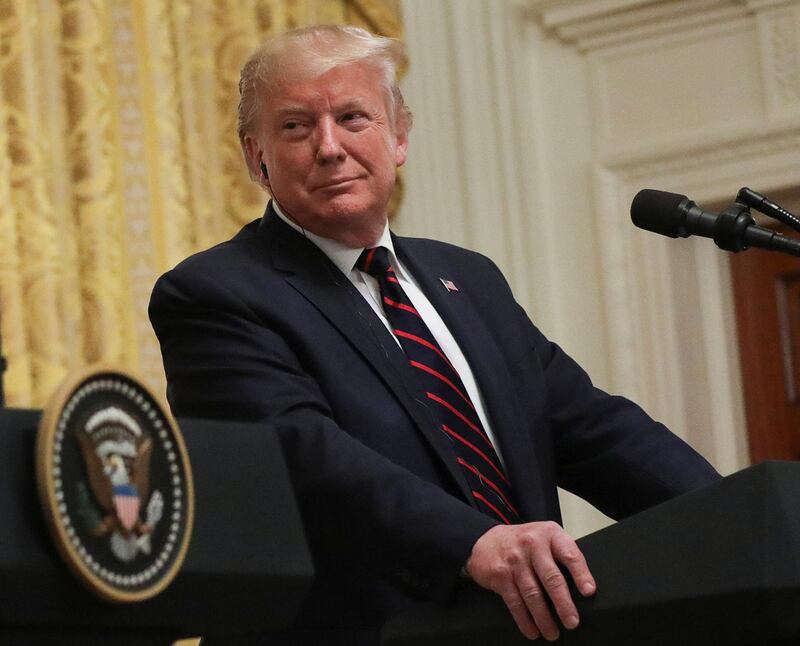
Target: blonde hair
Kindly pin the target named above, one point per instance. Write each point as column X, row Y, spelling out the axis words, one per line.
column 309, row 52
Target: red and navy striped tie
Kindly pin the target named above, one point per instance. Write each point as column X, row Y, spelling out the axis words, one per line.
column 444, row 391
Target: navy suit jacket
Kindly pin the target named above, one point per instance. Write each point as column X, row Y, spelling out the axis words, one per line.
column 265, row 327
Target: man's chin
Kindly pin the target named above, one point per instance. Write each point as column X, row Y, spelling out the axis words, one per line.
column 347, row 223
column 346, row 210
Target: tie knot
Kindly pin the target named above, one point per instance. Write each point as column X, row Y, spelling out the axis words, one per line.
column 374, row 262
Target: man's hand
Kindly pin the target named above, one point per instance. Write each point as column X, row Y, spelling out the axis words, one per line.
column 520, row 563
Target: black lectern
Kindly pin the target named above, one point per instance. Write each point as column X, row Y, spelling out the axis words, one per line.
column 247, row 569
column 716, row 567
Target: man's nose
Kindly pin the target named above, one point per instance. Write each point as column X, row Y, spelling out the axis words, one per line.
column 329, row 144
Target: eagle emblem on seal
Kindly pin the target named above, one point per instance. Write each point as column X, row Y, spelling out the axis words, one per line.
column 116, row 453
column 115, row 484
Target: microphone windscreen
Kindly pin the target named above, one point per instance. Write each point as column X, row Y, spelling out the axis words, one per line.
column 658, row 211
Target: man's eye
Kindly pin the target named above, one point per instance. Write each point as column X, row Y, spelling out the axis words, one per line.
column 290, row 125
column 351, row 116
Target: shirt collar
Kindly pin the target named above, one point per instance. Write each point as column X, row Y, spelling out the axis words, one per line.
column 343, row 257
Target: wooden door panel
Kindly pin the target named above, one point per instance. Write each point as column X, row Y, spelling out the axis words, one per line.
column 767, row 301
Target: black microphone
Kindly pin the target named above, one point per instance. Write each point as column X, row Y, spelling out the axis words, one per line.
column 676, row 216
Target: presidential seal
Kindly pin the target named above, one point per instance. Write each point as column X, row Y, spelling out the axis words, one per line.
column 115, row 484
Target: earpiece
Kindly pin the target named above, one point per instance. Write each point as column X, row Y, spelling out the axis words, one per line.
column 264, row 170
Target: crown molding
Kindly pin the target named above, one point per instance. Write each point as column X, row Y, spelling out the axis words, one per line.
column 697, row 152
column 595, row 23
column 758, row 5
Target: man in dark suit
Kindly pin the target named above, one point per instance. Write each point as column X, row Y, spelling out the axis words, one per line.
column 425, row 420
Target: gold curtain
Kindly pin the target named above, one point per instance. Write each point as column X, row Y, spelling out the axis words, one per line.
column 118, row 122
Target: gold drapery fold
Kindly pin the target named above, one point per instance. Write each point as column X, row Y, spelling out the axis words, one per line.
column 118, row 123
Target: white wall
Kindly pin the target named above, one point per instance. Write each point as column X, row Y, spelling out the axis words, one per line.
column 536, row 121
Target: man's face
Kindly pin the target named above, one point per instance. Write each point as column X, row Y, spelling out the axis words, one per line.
column 332, row 152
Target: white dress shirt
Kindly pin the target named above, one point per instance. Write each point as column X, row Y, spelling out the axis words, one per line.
column 345, row 259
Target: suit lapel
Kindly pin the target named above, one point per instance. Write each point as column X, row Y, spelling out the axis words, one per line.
column 312, row 274
column 490, row 370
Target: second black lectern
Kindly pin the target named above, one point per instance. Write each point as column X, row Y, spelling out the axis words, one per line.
column 716, row 567
column 247, row 568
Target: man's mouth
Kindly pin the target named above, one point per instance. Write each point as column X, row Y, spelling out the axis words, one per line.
column 335, row 183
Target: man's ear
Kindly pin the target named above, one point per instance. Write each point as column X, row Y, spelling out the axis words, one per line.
column 253, row 156
column 401, row 151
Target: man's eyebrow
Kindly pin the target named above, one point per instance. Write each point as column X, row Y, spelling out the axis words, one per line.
column 291, row 109
column 356, row 103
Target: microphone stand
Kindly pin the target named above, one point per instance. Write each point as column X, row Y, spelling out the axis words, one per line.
column 764, row 205
column 736, row 223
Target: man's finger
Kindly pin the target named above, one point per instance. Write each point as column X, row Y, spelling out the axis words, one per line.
column 535, row 602
column 519, row 611
column 555, row 585
column 567, row 552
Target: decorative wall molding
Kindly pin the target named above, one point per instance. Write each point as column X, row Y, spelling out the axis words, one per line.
column 779, row 37
column 667, row 116
column 596, row 23
column 696, row 85
column 776, row 149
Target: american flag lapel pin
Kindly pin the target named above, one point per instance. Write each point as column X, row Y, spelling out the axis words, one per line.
column 449, row 285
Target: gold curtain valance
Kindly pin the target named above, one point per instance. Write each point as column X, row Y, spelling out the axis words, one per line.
column 118, row 119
